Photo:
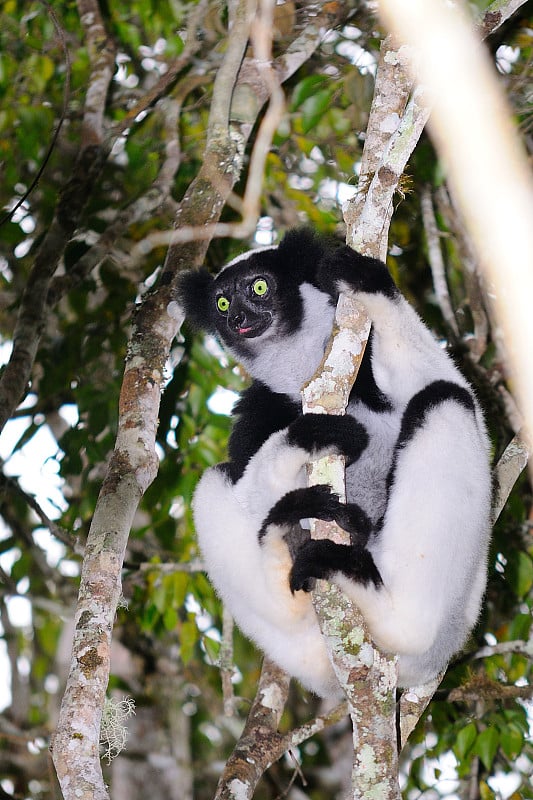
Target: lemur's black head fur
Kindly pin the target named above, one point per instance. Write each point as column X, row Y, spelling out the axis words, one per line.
column 255, row 290
column 258, row 293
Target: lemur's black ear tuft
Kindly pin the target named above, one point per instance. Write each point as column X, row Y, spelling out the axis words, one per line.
column 194, row 292
column 303, row 249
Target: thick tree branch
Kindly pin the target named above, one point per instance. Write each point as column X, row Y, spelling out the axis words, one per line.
column 508, row 469
column 490, row 155
column 259, row 744
column 368, row 219
column 132, row 468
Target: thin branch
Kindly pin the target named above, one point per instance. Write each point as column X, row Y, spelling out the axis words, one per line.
column 226, row 663
column 262, row 40
column 254, row 87
column 518, row 647
column 436, row 260
column 11, row 484
column 478, row 343
column 226, row 78
column 392, row 88
column 371, row 234
column 192, row 45
column 304, row 732
column 413, row 703
column 495, row 15
column 476, row 690
column 507, row 471
column 140, row 209
column 385, row 158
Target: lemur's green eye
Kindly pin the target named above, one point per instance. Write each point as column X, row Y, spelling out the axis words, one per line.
column 260, row 287
column 222, row 303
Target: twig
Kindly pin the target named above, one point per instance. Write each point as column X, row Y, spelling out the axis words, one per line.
column 436, row 260
column 518, row 647
column 10, row 483
column 507, row 471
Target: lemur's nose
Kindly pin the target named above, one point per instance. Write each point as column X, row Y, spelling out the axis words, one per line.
column 237, row 319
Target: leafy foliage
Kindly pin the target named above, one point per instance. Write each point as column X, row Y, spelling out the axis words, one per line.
column 60, row 439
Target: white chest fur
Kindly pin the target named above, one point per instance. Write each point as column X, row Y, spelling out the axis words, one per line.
column 286, row 363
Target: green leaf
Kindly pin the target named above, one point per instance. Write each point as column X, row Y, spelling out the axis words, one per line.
column 188, row 639
column 307, row 88
column 519, row 572
column 511, row 741
column 314, row 108
column 212, row 649
column 180, row 584
column 485, row 792
column 170, row 618
column 486, row 746
column 465, row 740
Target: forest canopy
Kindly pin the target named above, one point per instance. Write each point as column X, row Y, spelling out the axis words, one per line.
column 123, row 126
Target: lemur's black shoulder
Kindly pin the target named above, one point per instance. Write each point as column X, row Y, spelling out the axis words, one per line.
column 259, row 412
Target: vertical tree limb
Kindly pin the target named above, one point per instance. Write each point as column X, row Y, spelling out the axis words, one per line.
column 489, row 173
column 134, row 462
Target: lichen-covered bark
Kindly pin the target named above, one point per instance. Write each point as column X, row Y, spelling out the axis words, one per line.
column 367, row 677
column 259, row 743
column 490, row 155
column 134, row 462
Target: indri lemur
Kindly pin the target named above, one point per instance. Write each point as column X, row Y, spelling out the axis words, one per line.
column 417, row 480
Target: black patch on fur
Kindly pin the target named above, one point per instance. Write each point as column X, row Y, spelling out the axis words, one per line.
column 259, row 413
column 427, row 399
column 418, row 407
column 295, row 538
column 194, row 292
column 314, row 432
column 361, row 273
column 322, row 558
column 365, row 388
column 319, row 502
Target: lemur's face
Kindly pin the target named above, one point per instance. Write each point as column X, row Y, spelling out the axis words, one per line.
column 244, row 300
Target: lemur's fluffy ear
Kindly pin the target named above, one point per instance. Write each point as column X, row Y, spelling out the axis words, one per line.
column 195, row 295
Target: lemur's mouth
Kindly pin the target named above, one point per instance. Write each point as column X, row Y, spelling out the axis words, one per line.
column 249, row 331
column 254, row 330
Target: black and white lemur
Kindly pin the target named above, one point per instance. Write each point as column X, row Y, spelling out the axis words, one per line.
column 417, row 480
